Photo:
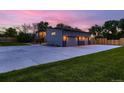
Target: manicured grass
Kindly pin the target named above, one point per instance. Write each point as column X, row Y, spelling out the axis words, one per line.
column 102, row 66
column 12, row 44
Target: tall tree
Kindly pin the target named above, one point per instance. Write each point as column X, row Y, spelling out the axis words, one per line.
column 42, row 26
column 60, row 25
column 26, row 28
column 110, row 27
column 121, row 25
column 64, row 26
column 96, row 30
column 120, row 28
column 34, row 26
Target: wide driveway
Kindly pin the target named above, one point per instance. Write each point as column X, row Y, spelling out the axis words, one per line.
column 18, row 57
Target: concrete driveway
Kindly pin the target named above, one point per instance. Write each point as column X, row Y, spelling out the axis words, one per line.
column 18, row 57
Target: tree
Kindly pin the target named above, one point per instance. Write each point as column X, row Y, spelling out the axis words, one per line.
column 11, row 32
column 60, row 25
column 96, row 30
column 34, row 26
column 121, row 28
column 121, row 24
column 63, row 26
column 67, row 27
column 110, row 27
column 42, row 26
column 77, row 29
column 26, row 28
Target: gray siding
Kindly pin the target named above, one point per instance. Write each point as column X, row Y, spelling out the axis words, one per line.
column 72, row 41
column 54, row 39
column 71, row 33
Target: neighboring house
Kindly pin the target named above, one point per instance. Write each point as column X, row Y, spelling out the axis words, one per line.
column 59, row 37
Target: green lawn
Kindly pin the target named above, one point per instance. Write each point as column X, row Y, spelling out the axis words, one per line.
column 12, row 44
column 102, row 66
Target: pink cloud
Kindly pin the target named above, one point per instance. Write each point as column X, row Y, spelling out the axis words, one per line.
column 72, row 18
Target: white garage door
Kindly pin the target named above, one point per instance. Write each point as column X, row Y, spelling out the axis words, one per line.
column 71, row 41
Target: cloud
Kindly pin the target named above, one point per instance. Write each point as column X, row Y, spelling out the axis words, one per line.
column 81, row 19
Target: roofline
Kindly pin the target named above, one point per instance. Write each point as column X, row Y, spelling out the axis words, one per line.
column 71, row 30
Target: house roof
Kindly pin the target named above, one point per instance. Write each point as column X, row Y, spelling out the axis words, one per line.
column 72, row 30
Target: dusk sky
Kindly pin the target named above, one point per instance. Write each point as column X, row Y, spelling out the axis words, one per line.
column 81, row 19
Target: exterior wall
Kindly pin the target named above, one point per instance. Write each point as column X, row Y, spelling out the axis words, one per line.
column 54, row 39
column 81, row 38
column 57, row 37
column 69, row 33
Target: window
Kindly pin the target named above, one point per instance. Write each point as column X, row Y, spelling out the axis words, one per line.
column 53, row 33
column 80, row 38
column 42, row 34
column 65, row 38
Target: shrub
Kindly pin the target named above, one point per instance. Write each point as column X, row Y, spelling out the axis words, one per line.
column 25, row 37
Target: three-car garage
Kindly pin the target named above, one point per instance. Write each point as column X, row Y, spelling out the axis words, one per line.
column 75, row 40
column 64, row 38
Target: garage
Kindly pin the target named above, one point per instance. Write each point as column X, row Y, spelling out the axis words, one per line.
column 65, row 37
column 72, row 41
column 86, row 41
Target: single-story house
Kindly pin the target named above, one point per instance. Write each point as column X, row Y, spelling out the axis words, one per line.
column 62, row 37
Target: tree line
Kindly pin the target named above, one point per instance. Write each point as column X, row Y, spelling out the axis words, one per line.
column 22, row 33
column 112, row 29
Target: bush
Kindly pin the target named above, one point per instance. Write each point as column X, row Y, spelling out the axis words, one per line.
column 25, row 37
column 2, row 35
column 10, row 32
